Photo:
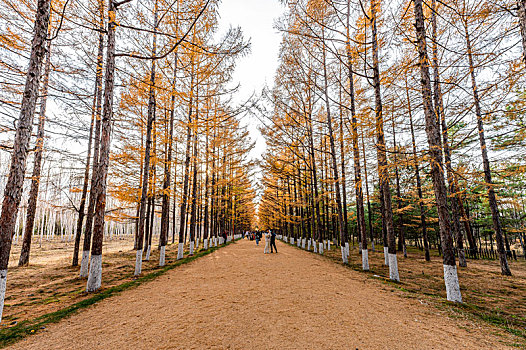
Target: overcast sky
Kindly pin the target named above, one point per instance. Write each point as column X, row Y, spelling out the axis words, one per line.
column 256, row 19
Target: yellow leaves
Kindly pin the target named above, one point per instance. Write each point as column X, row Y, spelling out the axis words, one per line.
column 112, row 17
column 75, row 190
column 11, row 41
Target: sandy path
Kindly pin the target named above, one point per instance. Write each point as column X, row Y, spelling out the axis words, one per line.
column 239, row 298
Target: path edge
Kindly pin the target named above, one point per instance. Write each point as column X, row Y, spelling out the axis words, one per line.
column 12, row 335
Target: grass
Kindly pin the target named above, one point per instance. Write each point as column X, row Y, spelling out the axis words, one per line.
column 21, row 330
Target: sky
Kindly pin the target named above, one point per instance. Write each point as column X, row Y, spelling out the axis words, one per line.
column 256, row 19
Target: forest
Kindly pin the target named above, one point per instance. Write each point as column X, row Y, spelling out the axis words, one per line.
column 393, row 131
column 399, row 124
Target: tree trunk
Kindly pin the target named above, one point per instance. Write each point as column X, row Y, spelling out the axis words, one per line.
column 401, row 226
column 206, row 220
column 193, row 210
column 441, row 117
column 147, row 150
column 369, row 211
column 505, row 269
column 95, row 270
column 437, row 173
column 522, row 22
column 315, row 199
column 165, row 214
column 418, row 180
column 383, row 173
column 37, row 167
column 182, row 222
column 95, row 117
column 84, row 264
column 15, row 180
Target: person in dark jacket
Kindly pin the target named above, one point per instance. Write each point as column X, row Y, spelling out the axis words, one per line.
column 273, row 242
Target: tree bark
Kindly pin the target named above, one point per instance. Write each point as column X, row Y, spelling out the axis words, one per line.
column 441, row 117
column 505, row 269
column 147, row 150
column 165, row 214
column 95, row 117
column 418, row 180
column 334, row 164
column 184, row 199
column 401, row 226
column 15, row 180
column 521, row 4
column 435, row 150
column 95, row 270
column 193, row 210
column 84, row 264
column 37, row 167
column 383, row 173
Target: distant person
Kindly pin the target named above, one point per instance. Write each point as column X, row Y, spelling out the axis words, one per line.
column 258, row 237
column 224, row 237
column 273, row 241
column 267, row 243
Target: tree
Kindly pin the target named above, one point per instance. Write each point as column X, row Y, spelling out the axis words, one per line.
column 15, row 180
column 435, row 149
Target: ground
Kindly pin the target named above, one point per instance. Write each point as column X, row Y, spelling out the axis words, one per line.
column 239, row 298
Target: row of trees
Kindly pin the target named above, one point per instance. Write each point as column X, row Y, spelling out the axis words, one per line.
column 141, row 116
column 406, row 96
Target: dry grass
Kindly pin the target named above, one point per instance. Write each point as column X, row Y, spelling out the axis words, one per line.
column 50, row 283
column 498, row 299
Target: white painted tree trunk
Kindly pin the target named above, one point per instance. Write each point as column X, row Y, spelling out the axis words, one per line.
column 84, row 264
column 365, row 259
column 320, row 250
column 162, row 255
column 303, row 243
column 138, row 262
column 347, row 252
column 315, row 246
column 329, row 245
column 344, row 255
column 393, row 268
column 148, row 252
column 197, row 245
column 452, row 285
column 308, row 245
column 3, row 286
column 291, row 240
column 205, row 244
column 180, row 251
column 95, row 273
column 386, row 256
column 191, row 248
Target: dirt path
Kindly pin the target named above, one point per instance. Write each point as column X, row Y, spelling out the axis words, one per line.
column 239, row 298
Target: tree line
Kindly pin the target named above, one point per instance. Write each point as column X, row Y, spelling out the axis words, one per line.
column 124, row 119
column 421, row 103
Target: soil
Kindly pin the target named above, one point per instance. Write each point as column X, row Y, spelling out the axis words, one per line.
column 240, row 298
column 50, row 283
column 486, row 293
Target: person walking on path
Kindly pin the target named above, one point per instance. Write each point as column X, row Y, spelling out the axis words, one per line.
column 267, row 243
column 273, row 242
column 258, row 237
